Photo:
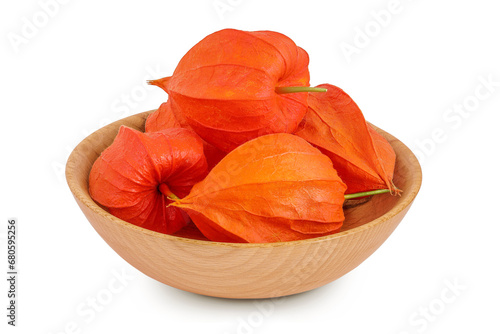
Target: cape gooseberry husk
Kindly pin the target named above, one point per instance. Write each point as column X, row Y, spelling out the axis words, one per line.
column 334, row 123
column 273, row 188
column 234, row 86
column 136, row 177
column 168, row 116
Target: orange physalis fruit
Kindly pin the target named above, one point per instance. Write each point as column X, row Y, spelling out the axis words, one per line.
column 276, row 187
column 162, row 118
column 167, row 116
column 363, row 158
column 230, row 86
column 135, row 177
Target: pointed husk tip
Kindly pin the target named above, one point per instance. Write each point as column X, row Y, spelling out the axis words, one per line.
column 395, row 191
column 162, row 82
column 153, row 82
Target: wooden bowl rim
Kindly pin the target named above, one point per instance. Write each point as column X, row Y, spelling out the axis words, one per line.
column 406, row 199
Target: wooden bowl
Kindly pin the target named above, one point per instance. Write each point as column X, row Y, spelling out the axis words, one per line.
column 244, row 270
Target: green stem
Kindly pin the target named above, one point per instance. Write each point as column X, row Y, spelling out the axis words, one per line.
column 366, row 193
column 163, row 188
column 299, row 89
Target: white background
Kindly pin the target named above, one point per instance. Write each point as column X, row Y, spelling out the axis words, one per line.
column 86, row 65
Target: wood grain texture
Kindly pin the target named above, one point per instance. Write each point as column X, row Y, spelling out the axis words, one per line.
column 244, row 270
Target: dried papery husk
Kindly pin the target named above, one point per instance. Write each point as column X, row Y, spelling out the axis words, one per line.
column 226, row 86
column 168, row 116
column 162, row 118
column 363, row 158
column 273, row 188
column 134, row 177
